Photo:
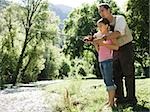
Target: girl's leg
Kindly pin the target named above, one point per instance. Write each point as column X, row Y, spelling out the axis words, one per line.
column 111, row 95
column 107, row 73
column 102, row 72
column 108, row 79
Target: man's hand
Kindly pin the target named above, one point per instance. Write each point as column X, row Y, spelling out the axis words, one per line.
column 105, row 38
column 113, row 35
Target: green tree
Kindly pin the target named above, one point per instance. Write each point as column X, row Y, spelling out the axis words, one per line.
column 64, row 70
column 138, row 20
column 25, row 34
column 35, row 18
column 82, row 22
column 8, row 51
column 53, row 57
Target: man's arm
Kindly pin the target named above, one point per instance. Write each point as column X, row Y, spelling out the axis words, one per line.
column 113, row 35
column 113, row 46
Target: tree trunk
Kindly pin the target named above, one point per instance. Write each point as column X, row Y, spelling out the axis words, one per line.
column 27, row 25
column 98, row 72
column 19, row 64
column 96, row 64
column 1, row 82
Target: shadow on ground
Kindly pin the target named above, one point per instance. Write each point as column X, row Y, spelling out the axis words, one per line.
column 136, row 108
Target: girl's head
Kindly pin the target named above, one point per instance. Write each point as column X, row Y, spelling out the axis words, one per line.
column 103, row 25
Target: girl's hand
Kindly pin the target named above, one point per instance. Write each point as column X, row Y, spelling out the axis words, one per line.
column 88, row 39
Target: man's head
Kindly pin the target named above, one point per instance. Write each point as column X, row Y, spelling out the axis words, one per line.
column 104, row 10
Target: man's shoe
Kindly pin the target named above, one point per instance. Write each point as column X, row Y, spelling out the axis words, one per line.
column 120, row 101
column 131, row 102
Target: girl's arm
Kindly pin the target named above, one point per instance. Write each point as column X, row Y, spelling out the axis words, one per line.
column 113, row 46
column 96, row 46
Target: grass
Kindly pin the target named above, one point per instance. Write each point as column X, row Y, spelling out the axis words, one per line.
column 90, row 96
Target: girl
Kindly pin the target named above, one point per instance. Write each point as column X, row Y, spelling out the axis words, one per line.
column 105, row 52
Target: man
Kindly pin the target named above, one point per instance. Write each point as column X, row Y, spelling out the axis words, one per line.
column 123, row 62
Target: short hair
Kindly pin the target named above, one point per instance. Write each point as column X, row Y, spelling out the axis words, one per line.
column 103, row 20
column 105, row 5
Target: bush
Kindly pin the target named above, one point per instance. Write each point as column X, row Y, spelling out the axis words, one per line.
column 8, row 64
column 80, row 67
column 52, row 56
column 82, row 71
column 64, row 70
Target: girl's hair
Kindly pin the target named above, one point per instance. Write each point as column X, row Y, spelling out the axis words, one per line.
column 106, row 21
column 103, row 20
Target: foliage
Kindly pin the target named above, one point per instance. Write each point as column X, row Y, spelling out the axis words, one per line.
column 53, row 59
column 80, row 67
column 82, row 22
column 27, row 30
column 64, row 70
column 138, row 21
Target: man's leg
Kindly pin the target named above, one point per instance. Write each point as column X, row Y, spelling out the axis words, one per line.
column 118, row 76
column 127, row 64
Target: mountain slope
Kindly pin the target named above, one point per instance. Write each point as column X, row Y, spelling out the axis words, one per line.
column 61, row 10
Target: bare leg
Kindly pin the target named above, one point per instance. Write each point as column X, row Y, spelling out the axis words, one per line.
column 111, row 95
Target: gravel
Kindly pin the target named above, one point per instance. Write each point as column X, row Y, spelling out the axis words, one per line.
column 26, row 99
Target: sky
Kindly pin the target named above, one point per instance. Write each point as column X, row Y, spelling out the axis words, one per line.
column 72, row 3
column 76, row 3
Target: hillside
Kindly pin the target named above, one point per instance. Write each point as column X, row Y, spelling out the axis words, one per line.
column 61, row 10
